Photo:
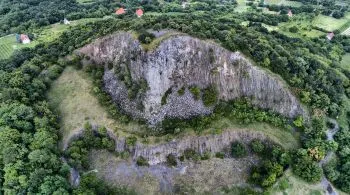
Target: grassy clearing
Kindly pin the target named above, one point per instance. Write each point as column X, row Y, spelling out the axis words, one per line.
column 290, row 184
column 345, row 63
column 295, row 185
column 8, row 44
column 242, row 7
column 283, row 137
column 283, row 2
column 329, row 23
column 304, row 25
column 86, row 1
column 70, row 96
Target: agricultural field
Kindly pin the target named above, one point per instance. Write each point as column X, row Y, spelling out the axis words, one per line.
column 8, row 44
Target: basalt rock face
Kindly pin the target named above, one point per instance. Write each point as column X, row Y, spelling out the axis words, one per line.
column 183, row 61
column 156, row 154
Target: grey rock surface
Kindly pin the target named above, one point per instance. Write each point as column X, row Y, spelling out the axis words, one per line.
column 185, row 61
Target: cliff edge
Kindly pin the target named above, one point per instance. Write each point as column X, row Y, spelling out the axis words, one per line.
column 146, row 84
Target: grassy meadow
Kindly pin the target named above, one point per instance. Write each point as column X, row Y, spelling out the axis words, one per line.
column 283, row 2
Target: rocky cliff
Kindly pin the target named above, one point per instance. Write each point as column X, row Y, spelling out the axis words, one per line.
column 182, row 61
column 156, row 154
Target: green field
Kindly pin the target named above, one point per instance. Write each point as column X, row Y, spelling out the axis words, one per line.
column 284, row 2
column 242, row 7
column 303, row 23
column 8, row 43
column 345, row 63
column 85, row 1
column 329, row 23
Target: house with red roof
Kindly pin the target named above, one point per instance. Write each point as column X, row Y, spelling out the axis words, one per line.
column 139, row 12
column 24, row 39
column 330, row 36
column 120, row 11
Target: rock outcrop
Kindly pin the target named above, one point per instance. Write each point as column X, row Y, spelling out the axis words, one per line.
column 156, row 154
column 183, row 61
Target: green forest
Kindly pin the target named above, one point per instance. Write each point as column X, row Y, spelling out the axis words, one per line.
column 30, row 156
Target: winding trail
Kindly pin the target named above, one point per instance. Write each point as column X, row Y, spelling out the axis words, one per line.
column 326, row 185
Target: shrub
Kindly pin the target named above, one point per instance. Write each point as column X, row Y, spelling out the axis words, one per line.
column 165, row 96
column 146, row 37
column 181, row 91
column 206, row 156
column 196, row 92
column 257, row 146
column 171, row 160
column 210, row 96
column 141, row 161
column 190, row 154
column 220, row 155
column 131, row 141
column 293, row 29
column 238, row 150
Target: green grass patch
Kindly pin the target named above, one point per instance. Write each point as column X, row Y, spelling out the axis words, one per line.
column 304, row 25
column 329, row 23
column 86, row 1
column 70, row 96
column 345, row 63
column 284, row 2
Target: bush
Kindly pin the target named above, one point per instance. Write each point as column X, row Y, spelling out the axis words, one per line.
column 141, row 161
column 238, row 150
column 220, row 155
column 181, row 91
column 131, row 141
column 196, row 92
column 210, row 96
column 293, row 29
column 165, row 96
column 146, row 37
column 257, row 146
column 206, row 156
column 190, row 154
column 171, row 160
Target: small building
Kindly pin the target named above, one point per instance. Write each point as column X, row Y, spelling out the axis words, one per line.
column 66, row 22
column 139, row 12
column 120, row 11
column 290, row 13
column 24, row 39
column 330, row 36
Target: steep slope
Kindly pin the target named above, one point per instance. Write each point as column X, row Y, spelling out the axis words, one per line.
column 177, row 62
